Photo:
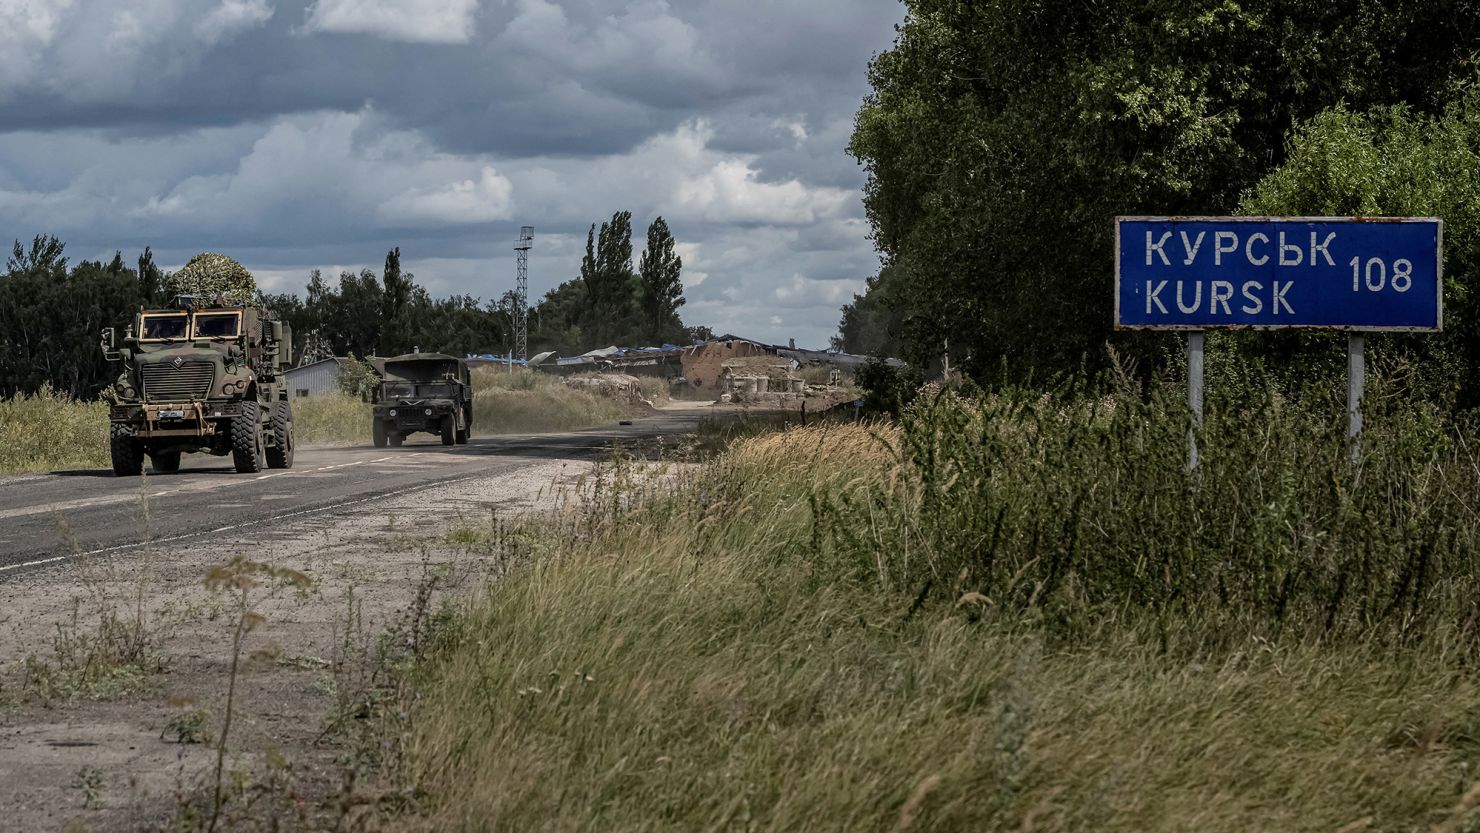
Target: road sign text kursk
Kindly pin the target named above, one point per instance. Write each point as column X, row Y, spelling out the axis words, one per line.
column 1198, row 273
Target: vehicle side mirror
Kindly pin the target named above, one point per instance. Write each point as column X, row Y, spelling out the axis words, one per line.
column 110, row 344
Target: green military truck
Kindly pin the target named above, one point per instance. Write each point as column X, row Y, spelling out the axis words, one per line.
column 429, row 392
column 200, row 376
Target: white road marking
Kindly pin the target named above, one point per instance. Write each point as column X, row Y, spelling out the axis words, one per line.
column 357, row 501
column 191, row 486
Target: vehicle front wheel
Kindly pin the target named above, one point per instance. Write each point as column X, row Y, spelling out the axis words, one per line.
column 449, row 430
column 246, row 441
column 377, row 433
column 127, row 452
column 395, row 438
column 280, row 455
column 165, row 462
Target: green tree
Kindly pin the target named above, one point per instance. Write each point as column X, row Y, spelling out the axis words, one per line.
column 1002, row 138
column 660, row 271
column 395, row 299
column 611, row 285
column 1390, row 161
column 557, row 321
column 354, row 323
column 873, row 325
column 151, row 280
column 50, row 317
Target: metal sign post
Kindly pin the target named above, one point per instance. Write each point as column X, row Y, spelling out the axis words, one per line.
column 1194, row 393
column 1351, row 274
column 1356, row 382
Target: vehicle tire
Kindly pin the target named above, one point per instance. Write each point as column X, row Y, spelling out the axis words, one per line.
column 127, row 452
column 449, row 429
column 165, row 462
column 394, row 438
column 246, row 441
column 378, row 433
column 280, row 455
column 462, row 435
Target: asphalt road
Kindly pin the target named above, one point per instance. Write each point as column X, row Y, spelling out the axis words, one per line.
column 48, row 518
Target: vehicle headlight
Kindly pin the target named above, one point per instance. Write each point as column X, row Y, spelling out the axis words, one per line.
column 429, row 411
column 392, row 412
column 128, row 392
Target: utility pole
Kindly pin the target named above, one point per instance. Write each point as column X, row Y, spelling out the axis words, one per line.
column 521, row 289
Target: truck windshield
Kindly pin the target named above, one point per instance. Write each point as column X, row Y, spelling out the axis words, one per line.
column 162, row 327
column 421, row 390
column 217, row 324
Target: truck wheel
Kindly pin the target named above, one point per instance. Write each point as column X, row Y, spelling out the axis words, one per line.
column 165, row 462
column 462, row 435
column 246, row 441
column 280, row 456
column 394, row 437
column 377, row 433
column 449, row 430
column 127, row 452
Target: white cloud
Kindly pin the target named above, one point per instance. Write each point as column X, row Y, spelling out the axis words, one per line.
column 676, row 174
column 646, row 34
column 489, row 198
column 417, row 21
column 100, row 50
column 731, row 192
column 332, row 171
column 27, row 28
column 230, row 17
column 802, row 291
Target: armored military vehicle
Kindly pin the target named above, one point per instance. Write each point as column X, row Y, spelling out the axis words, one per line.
column 428, row 392
column 202, row 375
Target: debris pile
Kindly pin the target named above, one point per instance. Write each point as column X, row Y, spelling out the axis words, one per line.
column 610, row 385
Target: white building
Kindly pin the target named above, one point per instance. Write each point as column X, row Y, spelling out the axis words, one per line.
column 320, row 378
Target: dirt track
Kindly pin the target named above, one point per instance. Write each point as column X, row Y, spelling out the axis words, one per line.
column 114, row 762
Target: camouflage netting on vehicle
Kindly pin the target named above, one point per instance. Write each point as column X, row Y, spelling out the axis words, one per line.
column 209, row 274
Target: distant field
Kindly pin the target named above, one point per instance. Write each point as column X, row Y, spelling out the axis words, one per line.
column 1018, row 613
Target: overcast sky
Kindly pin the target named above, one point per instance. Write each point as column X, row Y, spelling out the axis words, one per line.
column 295, row 135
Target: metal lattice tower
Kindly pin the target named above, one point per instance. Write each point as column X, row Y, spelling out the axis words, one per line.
column 521, row 288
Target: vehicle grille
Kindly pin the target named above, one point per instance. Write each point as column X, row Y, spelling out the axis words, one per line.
column 167, row 383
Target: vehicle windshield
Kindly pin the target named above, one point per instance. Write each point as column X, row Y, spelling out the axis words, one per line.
column 419, row 390
column 163, row 327
column 399, row 389
column 217, row 324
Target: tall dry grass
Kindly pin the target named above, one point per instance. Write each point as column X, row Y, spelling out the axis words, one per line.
column 49, row 432
column 335, row 419
column 1018, row 613
column 529, row 401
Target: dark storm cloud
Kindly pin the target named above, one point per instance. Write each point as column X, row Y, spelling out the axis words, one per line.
column 308, row 134
column 537, row 78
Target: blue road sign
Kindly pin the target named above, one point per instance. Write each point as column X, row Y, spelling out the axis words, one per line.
column 1197, row 273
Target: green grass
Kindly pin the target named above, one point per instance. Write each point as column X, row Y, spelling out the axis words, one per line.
column 1018, row 613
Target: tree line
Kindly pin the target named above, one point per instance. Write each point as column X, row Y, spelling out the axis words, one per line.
column 1001, row 139
column 51, row 312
